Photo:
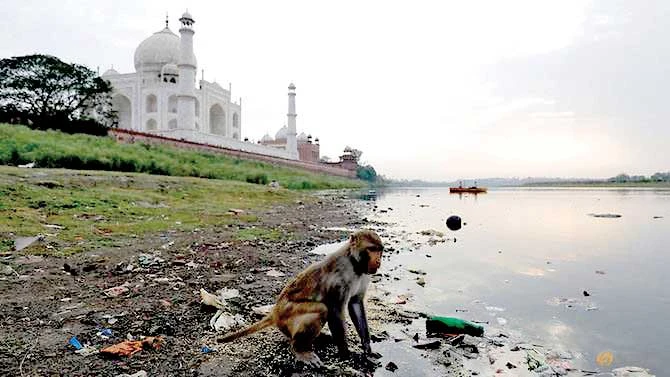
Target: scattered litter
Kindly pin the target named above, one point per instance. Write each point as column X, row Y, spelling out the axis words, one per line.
column 225, row 321
column 87, row 351
column 501, row 321
column 138, row 374
column 227, row 293
column 75, row 343
column 262, row 310
column 586, row 294
column 53, row 226
column 7, row 270
column 605, row 215
column 29, row 165
column 148, row 260
column 454, row 223
column 600, row 272
column 131, row 347
column 105, row 333
column 572, row 303
column 495, row 309
column 421, row 281
column 206, row 349
column 274, row 273
column 21, row 243
column 391, row 366
column 658, row 217
column 167, row 245
column 210, row 299
column 631, row 372
column 118, row 290
column 428, row 346
column 451, row 325
column 235, row 211
column 431, row 232
column 418, row 272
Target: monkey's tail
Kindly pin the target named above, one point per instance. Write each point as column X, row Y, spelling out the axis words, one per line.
column 260, row 325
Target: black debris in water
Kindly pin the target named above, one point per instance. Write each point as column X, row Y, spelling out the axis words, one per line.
column 454, row 222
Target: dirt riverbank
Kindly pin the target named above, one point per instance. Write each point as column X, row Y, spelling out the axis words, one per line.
column 48, row 300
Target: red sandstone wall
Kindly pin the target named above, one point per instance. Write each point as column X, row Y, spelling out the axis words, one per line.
column 127, row 136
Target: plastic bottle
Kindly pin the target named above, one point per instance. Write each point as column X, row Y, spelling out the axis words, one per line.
column 452, row 325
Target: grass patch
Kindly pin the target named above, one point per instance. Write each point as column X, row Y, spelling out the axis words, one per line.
column 54, row 149
column 84, row 210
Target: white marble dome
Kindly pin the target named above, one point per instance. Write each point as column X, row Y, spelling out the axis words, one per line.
column 302, row 137
column 282, row 133
column 156, row 51
column 110, row 72
column 266, row 138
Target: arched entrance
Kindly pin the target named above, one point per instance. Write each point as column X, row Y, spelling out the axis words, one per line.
column 124, row 112
column 217, row 120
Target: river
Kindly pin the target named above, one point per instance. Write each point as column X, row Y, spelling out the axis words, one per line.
column 527, row 258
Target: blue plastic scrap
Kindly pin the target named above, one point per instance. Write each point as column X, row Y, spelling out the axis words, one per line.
column 75, row 343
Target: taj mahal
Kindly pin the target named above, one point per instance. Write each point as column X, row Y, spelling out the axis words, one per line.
column 164, row 98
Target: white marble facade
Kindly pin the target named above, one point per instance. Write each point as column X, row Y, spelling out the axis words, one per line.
column 161, row 96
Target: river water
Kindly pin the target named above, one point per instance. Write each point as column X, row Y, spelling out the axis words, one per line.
column 526, row 257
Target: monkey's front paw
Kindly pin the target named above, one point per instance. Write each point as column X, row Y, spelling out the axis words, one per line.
column 310, row 359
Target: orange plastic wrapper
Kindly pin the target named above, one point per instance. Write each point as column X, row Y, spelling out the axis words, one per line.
column 131, row 347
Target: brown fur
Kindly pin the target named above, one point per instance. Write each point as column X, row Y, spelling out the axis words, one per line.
column 322, row 293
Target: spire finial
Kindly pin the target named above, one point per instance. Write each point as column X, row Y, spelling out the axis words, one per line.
column 166, row 20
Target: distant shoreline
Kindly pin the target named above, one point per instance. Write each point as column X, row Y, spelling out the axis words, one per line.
column 598, row 184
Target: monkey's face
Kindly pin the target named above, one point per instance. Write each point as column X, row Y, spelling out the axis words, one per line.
column 374, row 261
column 368, row 246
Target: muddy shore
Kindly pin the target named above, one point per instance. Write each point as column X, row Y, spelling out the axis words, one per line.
column 49, row 300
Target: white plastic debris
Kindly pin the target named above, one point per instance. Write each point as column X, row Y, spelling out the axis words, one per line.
column 226, row 321
column 275, row 273
column 632, row 372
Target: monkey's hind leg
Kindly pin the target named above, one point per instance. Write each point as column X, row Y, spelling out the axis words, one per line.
column 303, row 326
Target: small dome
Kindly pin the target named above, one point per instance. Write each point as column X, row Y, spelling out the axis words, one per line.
column 291, row 86
column 156, row 51
column 266, row 138
column 187, row 15
column 281, row 134
column 302, row 137
column 110, row 72
column 170, row 70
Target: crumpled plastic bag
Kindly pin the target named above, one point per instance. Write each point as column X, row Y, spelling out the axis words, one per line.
column 131, row 347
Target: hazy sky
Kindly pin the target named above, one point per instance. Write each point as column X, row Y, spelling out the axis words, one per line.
column 434, row 90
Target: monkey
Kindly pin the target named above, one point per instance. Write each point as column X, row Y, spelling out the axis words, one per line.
column 321, row 294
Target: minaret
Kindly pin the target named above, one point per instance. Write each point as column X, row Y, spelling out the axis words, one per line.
column 291, row 136
column 187, row 71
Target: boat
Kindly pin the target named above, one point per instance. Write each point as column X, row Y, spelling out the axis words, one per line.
column 471, row 190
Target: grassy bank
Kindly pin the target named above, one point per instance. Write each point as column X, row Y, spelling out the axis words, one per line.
column 84, row 210
column 53, row 149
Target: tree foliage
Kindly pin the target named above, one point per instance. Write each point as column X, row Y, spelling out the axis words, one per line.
column 367, row 173
column 45, row 92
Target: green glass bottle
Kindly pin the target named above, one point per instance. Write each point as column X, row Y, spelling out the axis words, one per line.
column 451, row 325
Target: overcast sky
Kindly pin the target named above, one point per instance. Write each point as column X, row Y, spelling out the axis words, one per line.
column 434, row 90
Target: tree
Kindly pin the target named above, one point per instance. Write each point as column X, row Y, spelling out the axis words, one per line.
column 45, row 92
column 357, row 153
column 367, row 173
